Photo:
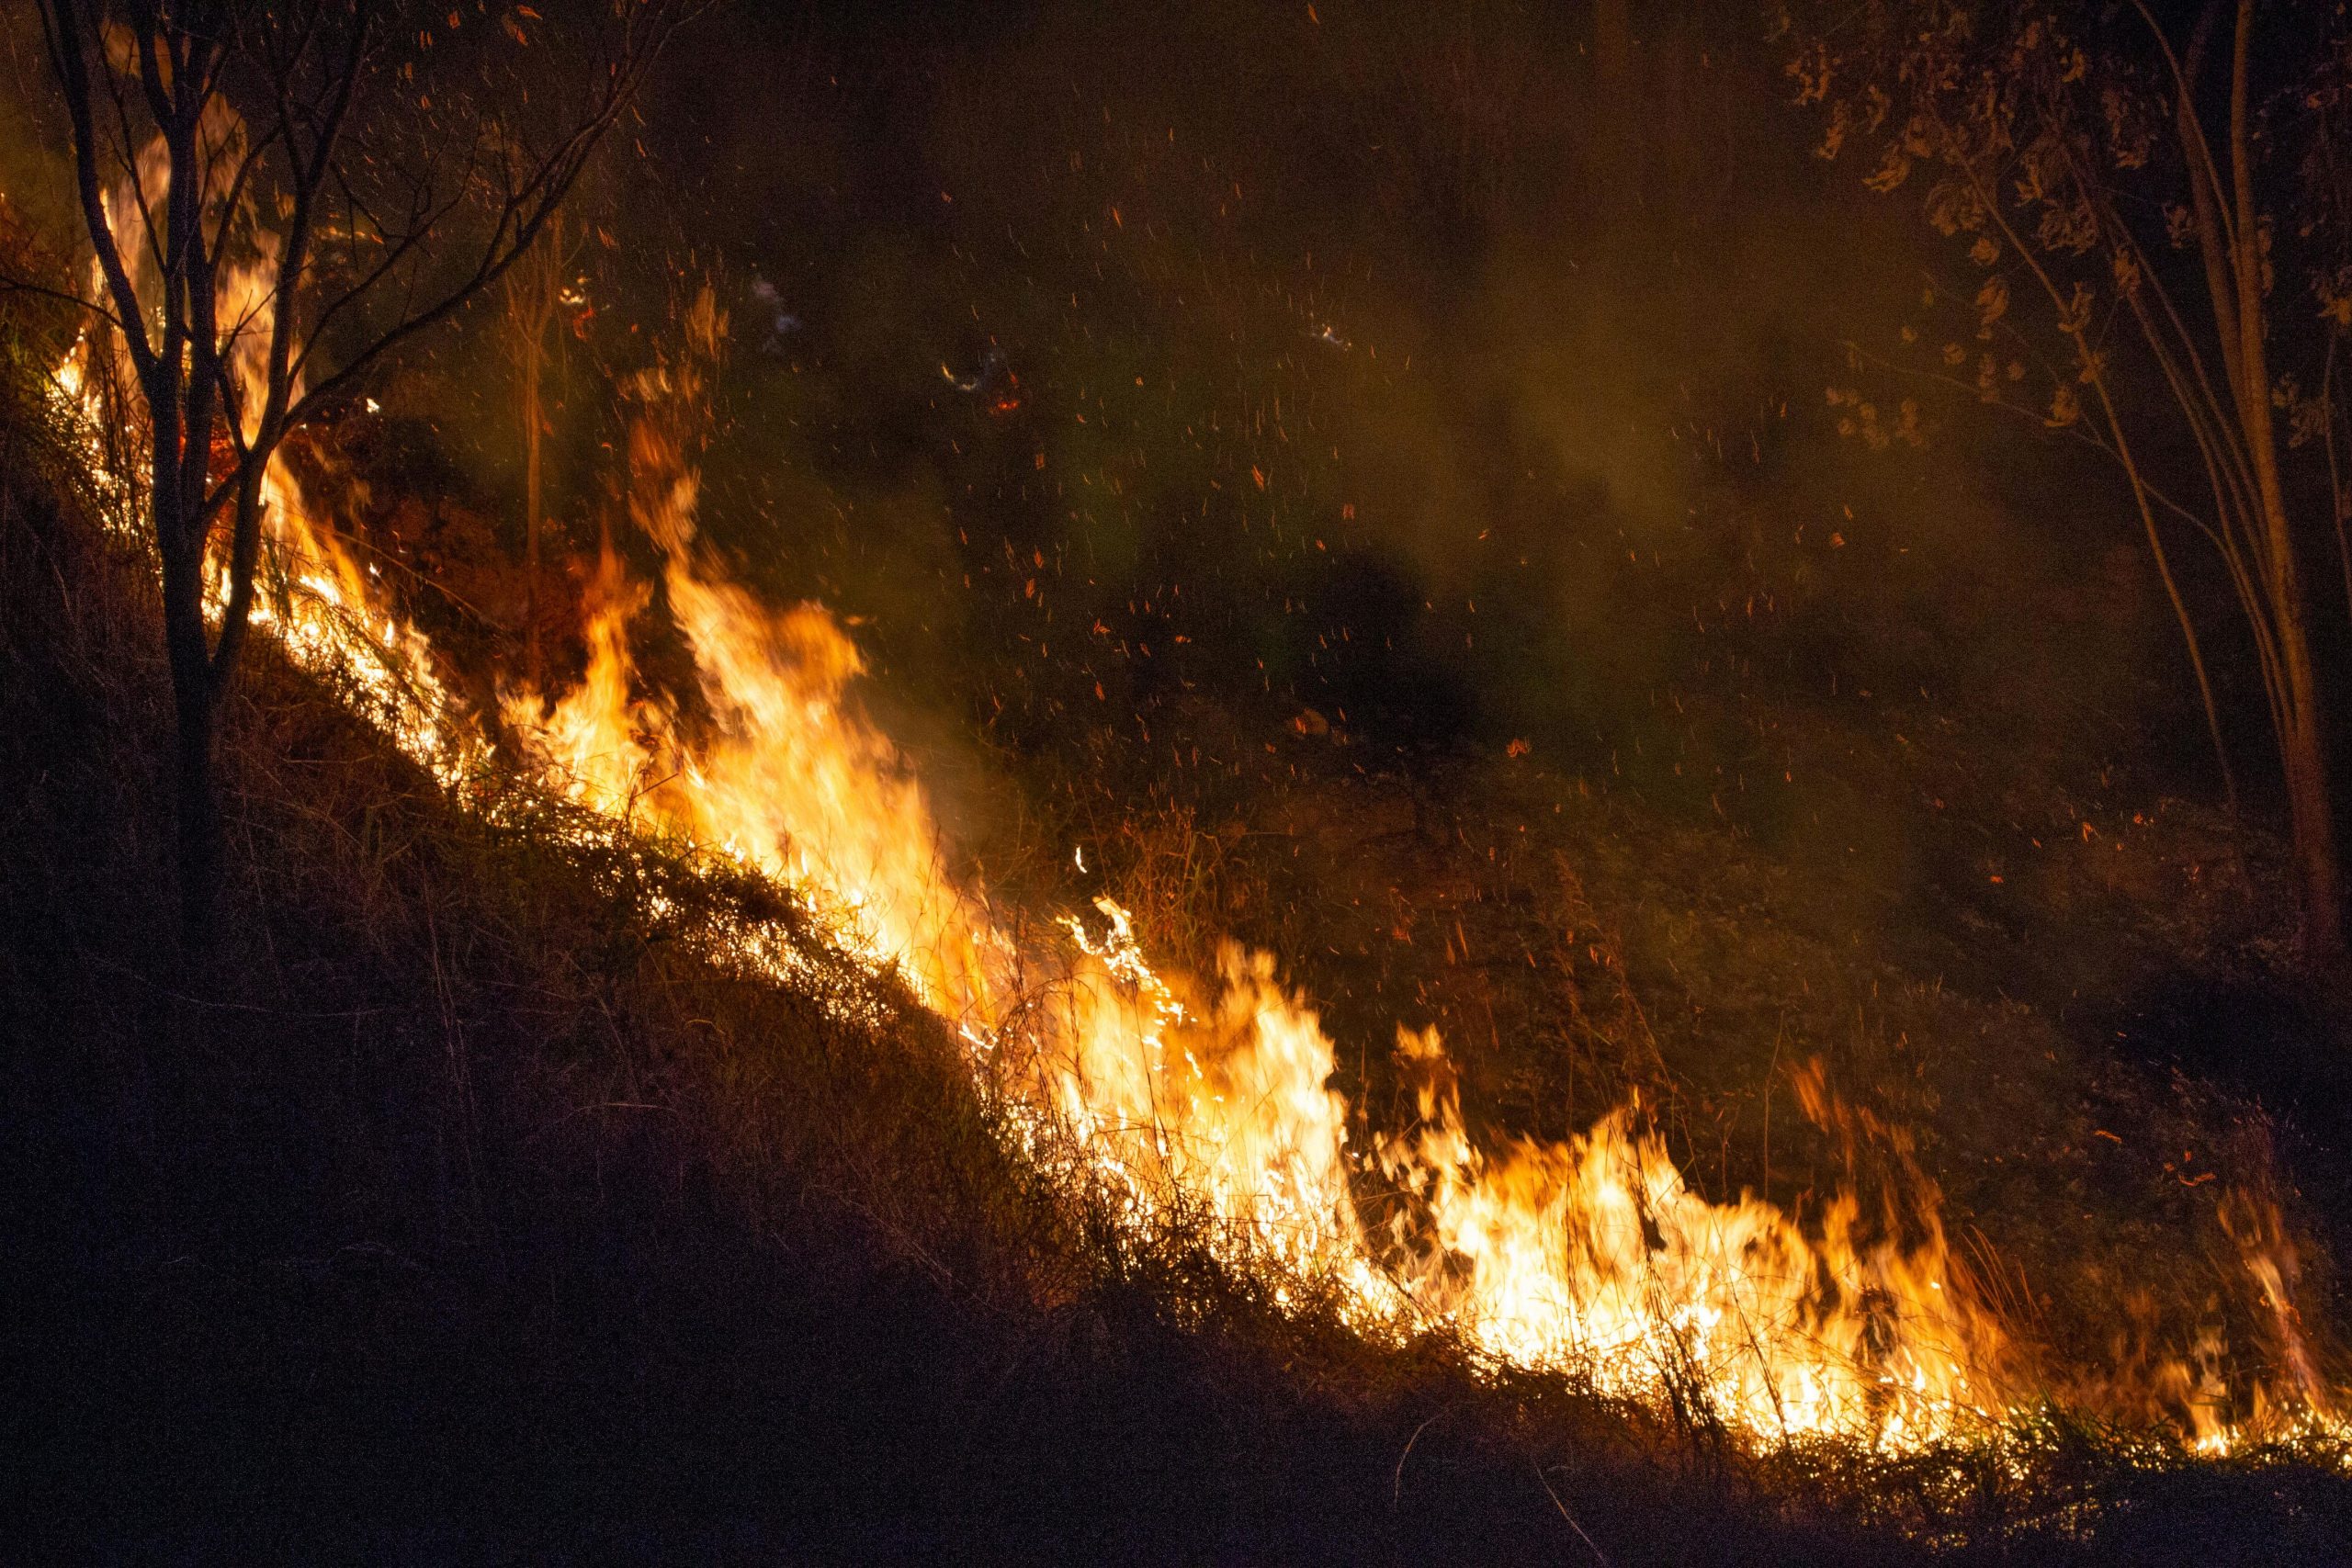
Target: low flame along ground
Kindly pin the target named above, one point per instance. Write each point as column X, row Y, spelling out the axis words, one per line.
column 1211, row 1095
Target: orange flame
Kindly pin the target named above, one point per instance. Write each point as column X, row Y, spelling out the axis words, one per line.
column 1592, row 1254
column 332, row 618
column 1211, row 1099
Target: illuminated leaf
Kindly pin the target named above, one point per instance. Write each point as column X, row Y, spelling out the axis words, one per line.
column 1992, row 301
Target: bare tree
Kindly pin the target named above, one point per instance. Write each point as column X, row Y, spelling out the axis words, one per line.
column 280, row 193
column 2158, row 198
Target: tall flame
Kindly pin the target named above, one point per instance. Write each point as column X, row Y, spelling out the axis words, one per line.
column 1208, row 1099
column 1215, row 1099
column 332, row 616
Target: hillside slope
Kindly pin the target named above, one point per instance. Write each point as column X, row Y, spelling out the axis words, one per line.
column 468, row 1202
column 471, row 1200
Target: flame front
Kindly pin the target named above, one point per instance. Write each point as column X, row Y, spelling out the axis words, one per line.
column 1214, row 1101
column 332, row 616
column 1204, row 1099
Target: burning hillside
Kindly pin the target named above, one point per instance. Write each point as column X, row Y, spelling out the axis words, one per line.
column 1175, row 1078
column 1212, row 1098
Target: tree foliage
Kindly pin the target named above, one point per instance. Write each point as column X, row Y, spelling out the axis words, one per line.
column 2155, row 207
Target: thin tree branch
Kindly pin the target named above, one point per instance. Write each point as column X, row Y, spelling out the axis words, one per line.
column 60, row 28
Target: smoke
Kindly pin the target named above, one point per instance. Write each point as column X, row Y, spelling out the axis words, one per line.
column 1463, row 374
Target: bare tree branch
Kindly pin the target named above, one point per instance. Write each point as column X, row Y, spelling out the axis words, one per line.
column 267, row 121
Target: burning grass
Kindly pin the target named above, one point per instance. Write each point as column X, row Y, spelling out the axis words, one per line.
column 1212, row 1096
column 486, row 1192
column 717, row 955
column 491, row 1125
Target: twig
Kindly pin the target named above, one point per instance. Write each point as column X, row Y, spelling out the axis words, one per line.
column 1397, row 1483
column 1541, row 1480
column 163, row 990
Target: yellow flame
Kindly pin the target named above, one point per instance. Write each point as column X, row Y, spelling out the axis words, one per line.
column 333, row 617
column 1214, row 1101
column 1207, row 1100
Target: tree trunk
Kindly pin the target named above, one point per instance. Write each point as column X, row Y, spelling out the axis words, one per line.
column 195, row 813
column 2301, row 749
column 2314, row 824
column 531, row 421
column 2302, row 754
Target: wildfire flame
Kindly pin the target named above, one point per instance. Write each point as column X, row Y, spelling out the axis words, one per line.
column 1209, row 1098
column 1592, row 1254
column 331, row 616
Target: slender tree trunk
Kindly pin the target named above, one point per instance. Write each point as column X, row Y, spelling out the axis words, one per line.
column 195, row 813
column 2339, row 500
column 532, row 418
column 2163, row 559
column 2304, row 755
column 2301, row 744
column 2315, row 822
column 198, row 819
column 531, row 296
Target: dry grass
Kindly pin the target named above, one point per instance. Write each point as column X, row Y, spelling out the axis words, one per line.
column 479, row 1197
